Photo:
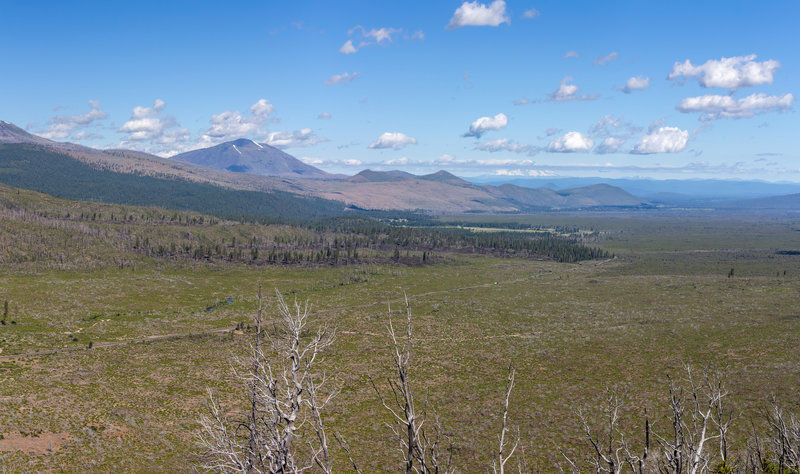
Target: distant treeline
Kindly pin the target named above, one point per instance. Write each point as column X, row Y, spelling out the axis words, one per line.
column 371, row 232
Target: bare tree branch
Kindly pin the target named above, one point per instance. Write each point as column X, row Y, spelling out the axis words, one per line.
column 280, row 383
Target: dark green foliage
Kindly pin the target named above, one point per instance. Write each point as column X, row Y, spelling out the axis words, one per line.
column 770, row 467
column 39, row 169
column 373, row 233
column 726, row 467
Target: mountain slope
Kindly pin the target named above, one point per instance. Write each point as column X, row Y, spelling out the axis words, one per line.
column 528, row 198
column 443, row 176
column 247, row 156
column 56, row 173
column 10, row 133
column 602, row 195
column 369, row 176
column 790, row 202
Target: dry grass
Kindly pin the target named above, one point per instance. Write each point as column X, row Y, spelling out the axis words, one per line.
column 571, row 330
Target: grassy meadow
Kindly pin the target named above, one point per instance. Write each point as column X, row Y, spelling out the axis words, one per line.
column 161, row 330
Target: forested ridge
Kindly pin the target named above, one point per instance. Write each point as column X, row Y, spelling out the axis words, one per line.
column 39, row 169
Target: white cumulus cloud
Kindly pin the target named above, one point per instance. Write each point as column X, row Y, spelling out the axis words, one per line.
column 298, row 138
column 479, row 14
column 229, row 125
column 636, row 83
column 571, row 142
column 393, row 140
column 62, row 126
column 662, row 140
column 342, row 78
column 571, row 54
column 149, row 130
column 262, row 108
column 728, row 73
column 324, row 116
column 724, row 106
column 485, row 124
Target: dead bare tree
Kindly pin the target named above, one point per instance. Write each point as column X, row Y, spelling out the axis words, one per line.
column 421, row 449
column 282, row 388
column 610, row 451
column 696, row 419
column 698, row 415
column 782, row 453
column 502, row 457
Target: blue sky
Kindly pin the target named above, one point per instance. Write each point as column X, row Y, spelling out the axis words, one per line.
column 672, row 89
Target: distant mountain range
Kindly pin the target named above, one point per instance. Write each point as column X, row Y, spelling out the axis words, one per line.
column 666, row 191
column 245, row 166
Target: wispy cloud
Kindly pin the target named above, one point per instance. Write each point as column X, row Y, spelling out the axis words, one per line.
column 603, row 60
column 402, row 161
column 609, row 145
column 504, row 144
column 568, row 92
column 62, row 126
column 343, row 78
column 613, row 133
column 531, row 13
column 361, row 37
column 524, row 172
column 724, row 106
